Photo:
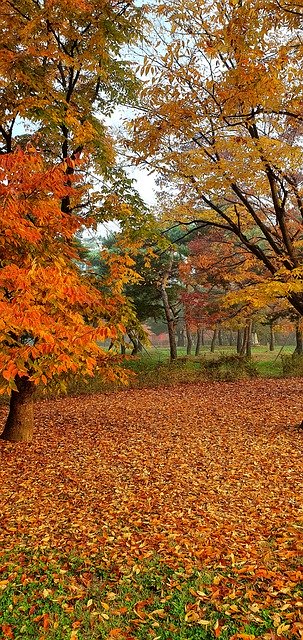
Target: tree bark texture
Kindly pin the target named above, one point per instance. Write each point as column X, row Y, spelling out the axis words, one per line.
column 180, row 337
column 249, row 339
column 271, row 337
column 246, row 344
column 19, row 425
column 169, row 314
column 239, row 340
column 299, row 340
column 189, row 341
column 199, row 341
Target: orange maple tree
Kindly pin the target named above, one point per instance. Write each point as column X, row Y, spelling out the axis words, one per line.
column 52, row 315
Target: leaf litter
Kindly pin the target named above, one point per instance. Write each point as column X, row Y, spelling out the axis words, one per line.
column 198, row 478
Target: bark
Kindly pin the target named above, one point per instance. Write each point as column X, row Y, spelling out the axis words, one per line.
column 169, row 314
column 230, row 338
column 189, row 341
column 214, row 339
column 181, row 338
column 19, row 425
column 272, row 337
column 220, row 338
column 135, row 344
column 239, row 340
column 199, row 341
column 202, row 338
column 299, row 340
column 249, row 336
column 244, row 342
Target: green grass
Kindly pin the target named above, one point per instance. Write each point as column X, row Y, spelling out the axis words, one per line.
column 45, row 596
column 153, row 368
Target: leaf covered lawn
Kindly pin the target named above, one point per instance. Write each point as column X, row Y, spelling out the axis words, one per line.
column 156, row 513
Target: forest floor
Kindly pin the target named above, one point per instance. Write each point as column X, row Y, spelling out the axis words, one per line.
column 164, row 514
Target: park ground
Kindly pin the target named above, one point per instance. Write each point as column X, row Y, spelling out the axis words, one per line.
column 169, row 513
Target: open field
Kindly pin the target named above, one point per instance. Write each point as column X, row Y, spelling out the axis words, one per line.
column 164, row 514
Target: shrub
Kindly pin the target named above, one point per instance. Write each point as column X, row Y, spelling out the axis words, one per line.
column 292, row 365
column 231, row 367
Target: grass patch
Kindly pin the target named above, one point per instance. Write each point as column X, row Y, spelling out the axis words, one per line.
column 292, row 365
column 154, row 369
column 54, row 597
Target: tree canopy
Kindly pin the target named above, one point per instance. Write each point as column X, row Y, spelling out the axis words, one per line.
column 222, row 123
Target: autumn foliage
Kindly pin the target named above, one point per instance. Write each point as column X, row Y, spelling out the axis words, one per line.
column 52, row 315
column 221, row 122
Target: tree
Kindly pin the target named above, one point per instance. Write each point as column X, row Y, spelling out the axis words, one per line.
column 215, row 271
column 52, row 315
column 222, row 122
column 61, row 74
column 156, row 292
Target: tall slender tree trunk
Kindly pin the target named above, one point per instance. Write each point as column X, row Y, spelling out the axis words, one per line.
column 220, row 338
column 249, row 339
column 199, row 341
column 19, row 425
column 246, row 344
column 244, row 341
column 202, row 338
column 299, row 339
column 189, row 340
column 230, row 338
column 271, row 337
column 169, row 314
column 213, row 342
column 181, row 337
column 239, row 340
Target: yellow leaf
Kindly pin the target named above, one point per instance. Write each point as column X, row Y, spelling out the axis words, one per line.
column 282, row 628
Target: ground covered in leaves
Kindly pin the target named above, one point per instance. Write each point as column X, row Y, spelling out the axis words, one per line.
column 156, row 513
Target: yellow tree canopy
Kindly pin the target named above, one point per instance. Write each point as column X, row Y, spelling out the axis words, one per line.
column 223, row 122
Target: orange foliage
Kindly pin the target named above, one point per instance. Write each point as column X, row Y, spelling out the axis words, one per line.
column 51, row 314
column 190, row 478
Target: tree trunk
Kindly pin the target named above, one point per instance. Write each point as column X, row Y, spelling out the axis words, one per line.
column 299, row 340
column 239, row 341
column 220, row 338
column 189, row 341
column 230, row 338
column 213, row 342
column 243, row 349
column 170, row 319
column 181, row 338
column 199, row 341
column 134, row 342
column 248, row 343
column 19, row 425
column 272, row 337
column 202, row 338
